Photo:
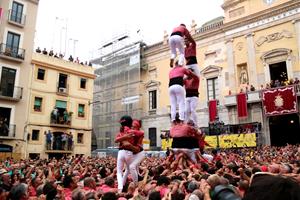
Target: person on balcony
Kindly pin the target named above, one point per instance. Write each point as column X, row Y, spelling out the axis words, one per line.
column 45, row 52
column 48, row 139
column 70, row 141
column 4, row 129
column 38, row 50
column 54, row 115
column 64, row 139
column 66, row 116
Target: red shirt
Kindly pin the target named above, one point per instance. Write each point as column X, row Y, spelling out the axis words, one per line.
column 178, row 72
column 105, row 188
column 68, row 193
column 192, row 83
column 181, row 130
column 182, row 30
column 190, row 50
column 130, row 140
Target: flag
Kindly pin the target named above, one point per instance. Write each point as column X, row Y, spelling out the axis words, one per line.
column 279, row 101
column 212, row 106
column 1, row 12
column 241, row 100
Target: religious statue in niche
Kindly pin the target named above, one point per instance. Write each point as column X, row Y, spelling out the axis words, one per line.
column 244, row 76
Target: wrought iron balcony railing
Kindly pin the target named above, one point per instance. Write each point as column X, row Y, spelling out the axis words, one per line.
column 12, row 52
column 11, row 92
column 7, row 131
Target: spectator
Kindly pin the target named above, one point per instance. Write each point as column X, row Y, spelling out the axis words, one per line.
column 45, row 52
column 71, row 59
column 38, row 50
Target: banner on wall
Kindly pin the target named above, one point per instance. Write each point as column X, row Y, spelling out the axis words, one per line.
column 166, row 143
column 225, row 141
column 237, row 140
column 212, row 141
column 279, row 101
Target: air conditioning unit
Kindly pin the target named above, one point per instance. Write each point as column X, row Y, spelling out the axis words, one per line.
column 62, row 90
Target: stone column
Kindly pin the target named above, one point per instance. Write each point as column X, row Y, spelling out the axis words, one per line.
column 252, row 73
column 231, row 65
column 296, row 23
column 289, row 67
column 267, row 72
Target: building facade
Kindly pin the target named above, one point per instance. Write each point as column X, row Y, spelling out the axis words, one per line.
column 117, row 89
column 60, row 108
column 17, row 28
column 255, row 43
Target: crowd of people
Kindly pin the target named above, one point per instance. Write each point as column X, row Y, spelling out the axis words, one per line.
column 252, row 173
column 61, row 56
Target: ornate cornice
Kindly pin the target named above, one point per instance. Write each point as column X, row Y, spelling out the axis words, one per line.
column 230, row 3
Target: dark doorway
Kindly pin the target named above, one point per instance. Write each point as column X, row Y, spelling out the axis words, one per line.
column 7, row 84
column 4, row 121
column 57, row 141
column 278, row 71
column 284, row 129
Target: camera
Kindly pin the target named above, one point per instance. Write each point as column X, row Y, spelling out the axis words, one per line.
column 222, row 192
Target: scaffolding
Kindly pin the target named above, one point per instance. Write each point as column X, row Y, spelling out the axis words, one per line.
column 116, row 91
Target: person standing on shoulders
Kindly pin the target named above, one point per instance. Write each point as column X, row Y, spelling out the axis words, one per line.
column 176, row 41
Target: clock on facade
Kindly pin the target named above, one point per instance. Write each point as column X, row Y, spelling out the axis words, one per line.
column 269, row 2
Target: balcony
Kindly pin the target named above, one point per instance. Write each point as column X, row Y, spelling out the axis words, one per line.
column 12, row 53
column 57, row 145
column 7, row 132
column 61, row 120
column 16, row 18
column 252, row 97
column 11, row 94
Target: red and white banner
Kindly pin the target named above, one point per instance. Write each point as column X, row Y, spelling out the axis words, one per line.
column 280, row 101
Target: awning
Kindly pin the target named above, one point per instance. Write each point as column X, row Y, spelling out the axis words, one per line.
column 61, row 104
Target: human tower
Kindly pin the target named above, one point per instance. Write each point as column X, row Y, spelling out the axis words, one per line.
column 188, row 142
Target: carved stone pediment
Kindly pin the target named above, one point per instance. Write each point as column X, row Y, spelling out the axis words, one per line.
column 276, row 55
column 152, row 83
column 211, row 71
column 273, row 37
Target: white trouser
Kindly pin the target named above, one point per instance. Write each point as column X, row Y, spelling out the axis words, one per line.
column 189, row 152
column 177, row 96
column 177, row 42
column 195, row 68
column 133, row 167
column 190, row 108
column 124, row 159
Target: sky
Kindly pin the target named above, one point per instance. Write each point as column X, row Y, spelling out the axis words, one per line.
column 81, row 27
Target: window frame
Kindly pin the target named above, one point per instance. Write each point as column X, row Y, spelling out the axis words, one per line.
column 82, row 115
column 85, row 82
column 152, row 98
column 214, row 93
column 16, row 18
column 38, row 135
column 44, row 75
column 82, row 140
column 41, row 104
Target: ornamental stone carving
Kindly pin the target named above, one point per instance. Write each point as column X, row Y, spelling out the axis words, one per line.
column 273, row 37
